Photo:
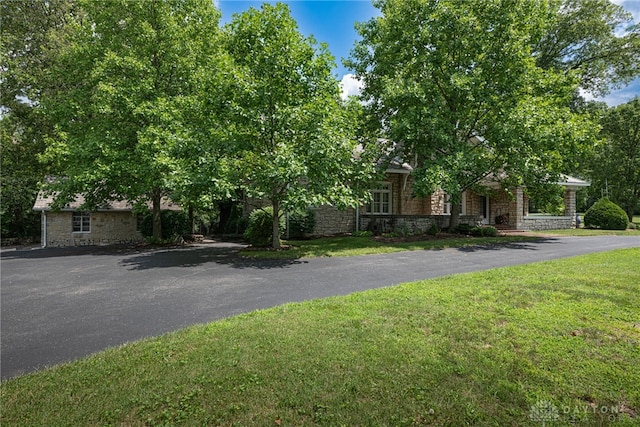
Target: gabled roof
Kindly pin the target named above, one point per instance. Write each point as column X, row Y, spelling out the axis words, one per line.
column 573, row 182
column 44, row 202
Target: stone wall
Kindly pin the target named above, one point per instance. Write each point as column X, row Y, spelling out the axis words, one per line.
column 331, row 221
column 106, row 228
column 548, row 223
column 411, row 224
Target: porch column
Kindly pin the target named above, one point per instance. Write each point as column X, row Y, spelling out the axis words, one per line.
column 518, row 214
column 570, row 205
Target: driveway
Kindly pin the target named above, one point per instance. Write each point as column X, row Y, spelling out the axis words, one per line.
column 62, row 304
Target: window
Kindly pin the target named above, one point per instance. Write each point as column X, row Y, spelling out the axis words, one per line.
column 446, row 209
column 381, row 200
column 81, row 222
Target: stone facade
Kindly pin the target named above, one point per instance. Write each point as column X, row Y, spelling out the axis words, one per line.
column 330, row 221
column 106, row 228
column 548, row 223
column 410, row 224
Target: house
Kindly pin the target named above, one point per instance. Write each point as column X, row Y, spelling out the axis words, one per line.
column 394, row 207
column 114, row 222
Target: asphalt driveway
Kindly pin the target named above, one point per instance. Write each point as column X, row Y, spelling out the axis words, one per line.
column 61, row 304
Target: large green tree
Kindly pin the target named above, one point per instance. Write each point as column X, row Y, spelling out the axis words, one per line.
column 616, row 164
column 30, row 31
column 456, row 86
column 128, row 87
column 292, row 138
column 596, row 40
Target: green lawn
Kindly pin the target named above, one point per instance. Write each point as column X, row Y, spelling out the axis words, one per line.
column 588, row 232
column 551, row 341
column 351, row 246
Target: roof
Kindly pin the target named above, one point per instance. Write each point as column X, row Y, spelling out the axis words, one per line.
column 573, row 182
column 44, row 202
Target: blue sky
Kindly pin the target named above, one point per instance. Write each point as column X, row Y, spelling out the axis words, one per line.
column 333, row 21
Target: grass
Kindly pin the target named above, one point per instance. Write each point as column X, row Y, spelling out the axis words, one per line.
column 588, row 232
column 552, row 341
column 351, row 246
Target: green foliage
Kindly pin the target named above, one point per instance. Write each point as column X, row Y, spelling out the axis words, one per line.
column 457, row 83
column 606, row 215
column 477, row 349
column 293, row 140
column 259, row 230
column 301, row 222
column 476, row 230
column 546, row 198
column 616, row 163
column 434, row 229
column 362, row 233
column 174, row 223
column 127, row 80
column 463, row 229
column 486, row 231
column 30, row 31
column 596, row 40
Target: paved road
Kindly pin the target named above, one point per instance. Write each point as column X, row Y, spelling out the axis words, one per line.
column 62, row 304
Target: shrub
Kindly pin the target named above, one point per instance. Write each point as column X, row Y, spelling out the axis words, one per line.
column 463, row 229
column 488, row 231
column 259, row 230
column 433, row 230
column 362, row 233
column 606, row 215
column 301, row 222
column 174, row 223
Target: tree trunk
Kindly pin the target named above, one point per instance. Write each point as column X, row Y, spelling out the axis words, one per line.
column 191, row 220
column 276, row 224
column 157, row 219
column 454, row 219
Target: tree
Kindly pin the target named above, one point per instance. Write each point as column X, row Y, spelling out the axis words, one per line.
column 128, row 79
column 455, row 85
column 292, row 138
column 30, row 34
column 616, row 164
column 594, row 39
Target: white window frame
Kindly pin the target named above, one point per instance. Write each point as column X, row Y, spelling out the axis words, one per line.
column 81, row 222
column 378, row 204
column 446, row 208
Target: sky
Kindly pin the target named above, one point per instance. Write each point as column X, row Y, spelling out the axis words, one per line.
column 332, row 22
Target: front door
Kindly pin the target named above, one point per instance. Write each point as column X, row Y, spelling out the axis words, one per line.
column 484, row 209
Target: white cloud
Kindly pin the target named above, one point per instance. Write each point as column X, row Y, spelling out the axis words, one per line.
column 350, row 85
column 633, row 7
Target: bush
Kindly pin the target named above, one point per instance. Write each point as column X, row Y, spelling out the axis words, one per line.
column 259, row 230
column 433, row 230
column 301, row 222
column 463, row 229
column 606, row 215
column 488, row 231
column 476, row 231
column 363, row 233
column 174, row 223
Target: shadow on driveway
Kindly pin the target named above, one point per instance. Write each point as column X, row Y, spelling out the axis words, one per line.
column 200, row 256
column 509, row 245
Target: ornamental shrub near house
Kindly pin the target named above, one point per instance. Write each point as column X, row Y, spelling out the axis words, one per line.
column 606, row 215
column 301, row 223
column 260, row 227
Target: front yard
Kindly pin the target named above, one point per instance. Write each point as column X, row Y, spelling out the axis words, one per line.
column 351, row 246
column 552, row 342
